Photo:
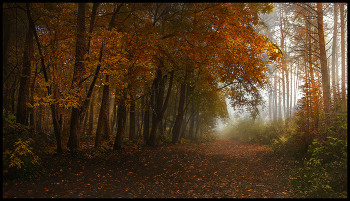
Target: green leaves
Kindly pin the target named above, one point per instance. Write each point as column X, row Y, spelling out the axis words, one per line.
column 324, row 174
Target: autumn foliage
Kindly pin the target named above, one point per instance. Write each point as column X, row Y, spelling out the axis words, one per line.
column 91, row 80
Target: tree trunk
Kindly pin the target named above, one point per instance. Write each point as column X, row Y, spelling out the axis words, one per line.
column 132, row 119
column 279, row 115
column 158, row 94
column 180, row 115
column 114, row 115
column 342, row 38
column 323, row 58
column 334, row 48
column 23, row 93
column 103, row 119
column 161, row 109
column 146, row 120
column 121, row 119
column 91, row 117
column 275, row 96
column 198, row 123
column 73, row 141
column 191, row 126
column 174, row 114
column 291, row 93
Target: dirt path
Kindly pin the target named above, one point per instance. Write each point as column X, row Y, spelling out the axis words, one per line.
column 223, row 168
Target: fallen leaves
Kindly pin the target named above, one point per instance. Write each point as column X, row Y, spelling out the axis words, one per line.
column 222, row 169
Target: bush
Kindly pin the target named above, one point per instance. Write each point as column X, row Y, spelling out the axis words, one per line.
column 19, row 159
column 324, row 175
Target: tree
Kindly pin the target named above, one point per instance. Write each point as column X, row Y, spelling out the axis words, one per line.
column 23, row 94
column 323, row 58
column 56, row 122
column 179, row 118
column 80, row 51
column 103, row 120
column 342, row 39
column 121, row 119
column 334, row 48
column 132, row 118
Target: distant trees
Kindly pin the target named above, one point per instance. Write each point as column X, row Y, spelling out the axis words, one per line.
column 304, row 27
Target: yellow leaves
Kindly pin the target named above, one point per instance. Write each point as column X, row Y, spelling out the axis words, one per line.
column 22, row 150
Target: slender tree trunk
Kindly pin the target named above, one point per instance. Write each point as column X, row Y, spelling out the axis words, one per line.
column 57, row 119
column 103, row 119
column 296, row 88
column 114, row 115
column 291, row 93
column 192, row 119
column 180, row 115
column 146, row 120
column 275, row 96
column 334, row 48
column 157, row 102
column 283, row 63
column 323, row 58
column 287, row 85
column 174, row 114
column 91, row 117
column 14, row 86
column 342, row 38
column 23, row 94
column 198, row 123
column 270, row 105
column 139, row 117
column 279, row 115
column 132, row 118
column 32, row 112
column 121, row 120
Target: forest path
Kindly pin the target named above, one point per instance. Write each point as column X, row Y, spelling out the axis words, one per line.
column 223, row 168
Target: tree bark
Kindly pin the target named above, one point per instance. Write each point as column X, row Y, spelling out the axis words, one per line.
column 174, row 114
column 103, row 119
column 180, row 115
column 91, row 117
column 146, row 121
column 342, row 38
column 73, row 141
column 23, row 94
column 160, row 108
column 275, row 96
column 334, row 48
column 157, row 101
column 323, row 58
column 285, row 81
column 121, row 119
column 132, row 119
column 114, row 115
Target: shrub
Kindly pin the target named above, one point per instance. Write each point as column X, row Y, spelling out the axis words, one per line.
column 19, row 159
column 324, row 175
column 22, row 162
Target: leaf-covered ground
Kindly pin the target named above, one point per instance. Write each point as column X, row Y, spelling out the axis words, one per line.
column 224, row 168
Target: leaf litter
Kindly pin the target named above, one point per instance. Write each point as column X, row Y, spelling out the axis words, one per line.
column 219, row 169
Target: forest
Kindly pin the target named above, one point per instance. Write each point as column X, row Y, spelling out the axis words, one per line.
column 174, row 100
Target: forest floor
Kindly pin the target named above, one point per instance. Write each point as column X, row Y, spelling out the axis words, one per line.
column 218, row 169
